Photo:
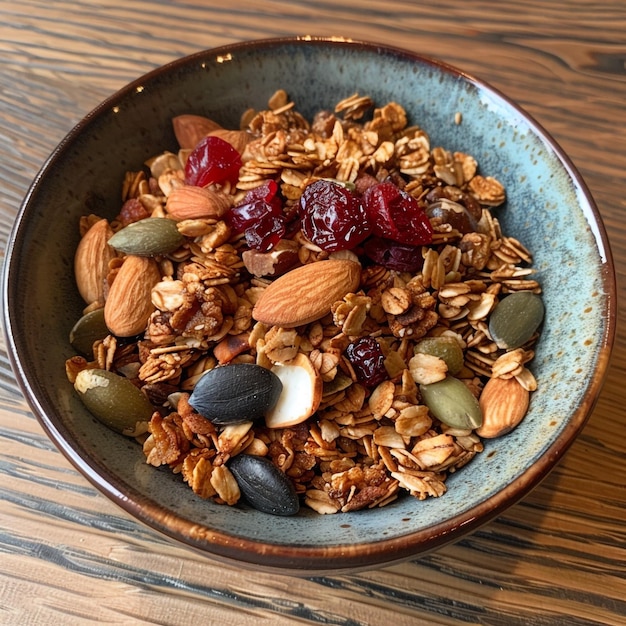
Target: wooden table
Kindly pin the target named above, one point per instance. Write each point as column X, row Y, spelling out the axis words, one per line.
column 69, row 556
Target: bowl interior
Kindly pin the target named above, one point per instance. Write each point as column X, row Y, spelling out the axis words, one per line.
column 548, row 209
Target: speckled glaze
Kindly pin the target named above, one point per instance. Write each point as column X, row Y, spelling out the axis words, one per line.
column 548, row 208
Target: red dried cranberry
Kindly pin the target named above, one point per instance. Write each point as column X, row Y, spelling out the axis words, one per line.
column 213, row 160
column 332, row 216
column 265, row 232
column 394, row 255
column 258, row 202
column 368, row 361
column 396, row 215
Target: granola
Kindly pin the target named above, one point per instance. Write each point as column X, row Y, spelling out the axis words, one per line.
column 364, row 446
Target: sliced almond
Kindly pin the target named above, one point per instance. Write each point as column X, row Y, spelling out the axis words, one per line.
column 504, row 403
column 305, row 294
column 129, row 304
column 190, row 129
column 301, row 394
column 91, row 262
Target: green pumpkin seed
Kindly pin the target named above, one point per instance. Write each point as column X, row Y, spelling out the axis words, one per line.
column 87, row 330
column 113, row 400
column 446, row 348
column 515, row 319
column 452, row 403
column 148, row 237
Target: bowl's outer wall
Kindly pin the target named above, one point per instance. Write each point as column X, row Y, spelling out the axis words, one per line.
column 548, row 209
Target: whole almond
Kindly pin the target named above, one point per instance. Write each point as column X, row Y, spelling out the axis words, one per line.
column 91, row 262
column 129, row 305
column 305, row 294
column 190, row 129
column 238, row 139
column 190, row 203
column 504, row 403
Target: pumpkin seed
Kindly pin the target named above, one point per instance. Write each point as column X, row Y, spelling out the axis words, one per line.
column 87, row 330
column 113, row 400
column 231, row 394
column 263, row 485
column 446, row 348
column 515, row 319
column 148, row 237
column 452, row 403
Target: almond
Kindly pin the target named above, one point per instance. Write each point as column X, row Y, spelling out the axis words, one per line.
column 504, row 403
column 238, row 139
column 305, row 294
column 190, row 203
column 129, row 305
column 301, row 394
column 91, row 262
column 190, row 129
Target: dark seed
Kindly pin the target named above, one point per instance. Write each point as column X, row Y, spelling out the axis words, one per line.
column 87, row 330
column 236, row 393
column 263, row 485
column 148, row 237
column 515, row 319
column 113, row 399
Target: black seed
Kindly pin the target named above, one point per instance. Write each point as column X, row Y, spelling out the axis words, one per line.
column 263, row 485
column 237, row 393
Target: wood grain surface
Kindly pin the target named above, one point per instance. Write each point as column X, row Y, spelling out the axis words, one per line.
column 69, row 556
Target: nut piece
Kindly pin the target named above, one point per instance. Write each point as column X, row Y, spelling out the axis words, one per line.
column 91, row 262
column 190, row 129
column 504, row 403
column 282, row 258
column 301, row 394
column 129, row 303
column 306, row 293
column 190, row 202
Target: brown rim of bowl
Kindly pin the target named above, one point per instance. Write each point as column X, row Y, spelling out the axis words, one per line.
column 294, row 558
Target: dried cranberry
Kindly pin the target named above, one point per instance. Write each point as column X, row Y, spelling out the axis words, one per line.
column 367, row 360
column 258, row 202
column 396, row 215
column 332, row 216
column 265, row 232
column 393, row 255
column 213, row 160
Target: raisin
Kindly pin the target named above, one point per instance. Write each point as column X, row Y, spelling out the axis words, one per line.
column 393, row 255
column 367, row 360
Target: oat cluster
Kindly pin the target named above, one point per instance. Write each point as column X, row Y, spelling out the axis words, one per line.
column 363, row 447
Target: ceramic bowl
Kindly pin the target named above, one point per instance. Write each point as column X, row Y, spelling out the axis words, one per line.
column 549, row 208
